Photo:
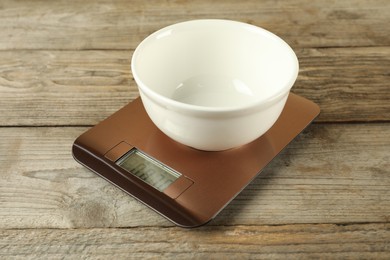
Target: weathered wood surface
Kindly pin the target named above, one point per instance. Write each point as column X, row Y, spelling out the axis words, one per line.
column 65, row 65
column 123, row 24
column 84, row 87
column 330, row 174
column 324, row 241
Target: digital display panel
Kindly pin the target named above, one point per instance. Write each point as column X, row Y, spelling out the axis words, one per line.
column 148, row 169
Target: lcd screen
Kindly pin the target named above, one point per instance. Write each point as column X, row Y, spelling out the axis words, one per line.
column 148, row 169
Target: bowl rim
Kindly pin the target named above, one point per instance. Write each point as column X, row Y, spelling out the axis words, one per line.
column 178, row 105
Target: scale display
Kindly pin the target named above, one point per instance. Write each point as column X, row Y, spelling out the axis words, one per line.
column 148, row 169
column 187, row 186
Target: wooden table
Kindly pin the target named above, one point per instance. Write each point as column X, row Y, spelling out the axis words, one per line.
column 65, row 66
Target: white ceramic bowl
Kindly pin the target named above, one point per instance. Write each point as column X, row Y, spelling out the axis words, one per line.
column 214, row 84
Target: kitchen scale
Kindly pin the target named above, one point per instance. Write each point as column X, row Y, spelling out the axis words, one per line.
column 187, row 186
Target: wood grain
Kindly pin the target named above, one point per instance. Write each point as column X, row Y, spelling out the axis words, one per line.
column 349, row 84
column 84, row 87
column 123, row 24
column 369, row 241
column 63, row 88
column 65, row 65
column 330, row 174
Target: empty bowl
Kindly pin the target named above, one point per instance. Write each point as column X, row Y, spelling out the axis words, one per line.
column 214, row 84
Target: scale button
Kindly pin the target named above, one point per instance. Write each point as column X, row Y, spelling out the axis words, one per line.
column 118, row 151
column 178, row 187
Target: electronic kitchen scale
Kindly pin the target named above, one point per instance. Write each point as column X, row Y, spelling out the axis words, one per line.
column 187, row 186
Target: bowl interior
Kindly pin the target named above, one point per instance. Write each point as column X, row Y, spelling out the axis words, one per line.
column 214, row 63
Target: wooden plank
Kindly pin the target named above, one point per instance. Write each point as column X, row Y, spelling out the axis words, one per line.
column 370, row 241
column 63, row 88
column 350, row 84
column 336, row 173
column 119, row 24
column 84, row 87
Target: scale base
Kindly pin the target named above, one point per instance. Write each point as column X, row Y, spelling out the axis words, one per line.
column 209, row 181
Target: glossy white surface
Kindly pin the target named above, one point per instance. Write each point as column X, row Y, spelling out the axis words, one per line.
column 214, row 84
